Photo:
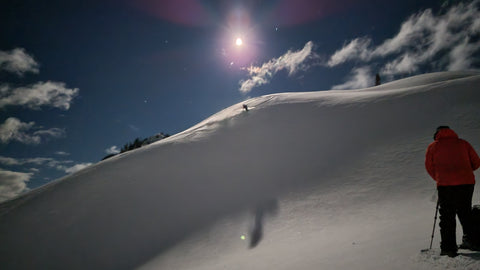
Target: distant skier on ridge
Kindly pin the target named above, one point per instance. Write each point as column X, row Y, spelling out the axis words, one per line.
column 377, row 80
column 450, row 161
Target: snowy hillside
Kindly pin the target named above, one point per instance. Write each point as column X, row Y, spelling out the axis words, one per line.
column 334, row 179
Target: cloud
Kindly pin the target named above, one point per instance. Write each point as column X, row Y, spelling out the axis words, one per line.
column 17, row 61
column 60, row 165
column 112, row 150
column 9, row 161
column 12, row 184
column 290, row 61
column 357, row 48
column 361, row 78
column 416, row 28
column 425, row 36
column 443, row 41
column 14, row 129
column 53, row 132
column 77, row 167
column 404, row 64
column 62, row 153
column 134, row 128
column 49, row 162
column 461, row 56
column 53, row 94
column 38, row 161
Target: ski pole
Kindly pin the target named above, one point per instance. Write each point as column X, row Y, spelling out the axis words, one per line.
column 434, row 223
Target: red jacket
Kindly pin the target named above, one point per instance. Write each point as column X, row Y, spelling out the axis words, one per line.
column 451, row 161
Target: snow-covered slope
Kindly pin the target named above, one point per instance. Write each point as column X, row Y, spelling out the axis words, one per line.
column 341, row 171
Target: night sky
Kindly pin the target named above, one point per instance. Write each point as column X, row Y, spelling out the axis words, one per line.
column 79, row 79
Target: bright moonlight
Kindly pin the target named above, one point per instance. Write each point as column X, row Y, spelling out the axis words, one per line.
column 239, row 42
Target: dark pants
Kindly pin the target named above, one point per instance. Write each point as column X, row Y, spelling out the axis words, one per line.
column 454, row 200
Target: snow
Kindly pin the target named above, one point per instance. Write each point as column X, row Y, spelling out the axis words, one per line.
column 343, row 168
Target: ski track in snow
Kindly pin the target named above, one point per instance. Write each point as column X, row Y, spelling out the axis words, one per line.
column 345, row 169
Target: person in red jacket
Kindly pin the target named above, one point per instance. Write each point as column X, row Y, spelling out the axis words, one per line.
column 450, row 161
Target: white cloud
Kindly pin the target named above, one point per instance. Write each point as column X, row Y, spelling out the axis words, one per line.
column 56, row 164
column 77, row 167
column 53, row 94
column 290, row 61
column 17, row 61
column 53, row 132
column 62, row 153
column 14, row 129
column 60, row 165
column 134, row 128
column 9, row 161
column 361, row 78
column 39, row 161
column 426, row 36
column 404, row 64
column 12, row 184
column 112, row 150
column 475, row 26
column 416, row 28
column 444, row 41
column 460, row 56
column 357, row 48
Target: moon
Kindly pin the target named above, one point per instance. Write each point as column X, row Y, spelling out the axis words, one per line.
column 239, row 42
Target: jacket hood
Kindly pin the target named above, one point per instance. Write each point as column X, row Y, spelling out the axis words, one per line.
column 446, row 133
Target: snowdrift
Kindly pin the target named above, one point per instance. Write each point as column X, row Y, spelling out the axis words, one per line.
column 344, row 170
